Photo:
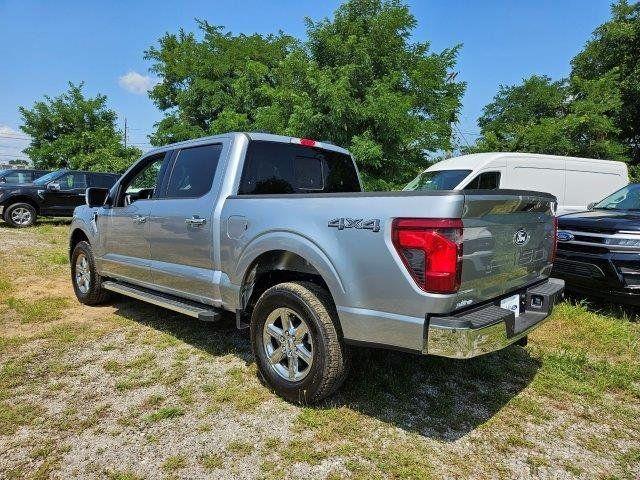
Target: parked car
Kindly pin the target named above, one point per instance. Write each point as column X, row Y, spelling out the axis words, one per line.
column 599, row 250
column 279, row 231
column 17, row 176
column 55, row 194
column 575, row 182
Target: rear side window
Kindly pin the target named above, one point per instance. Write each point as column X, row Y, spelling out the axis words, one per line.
column 281, row 168
column 193, row 171
column 485, row 181
column 102, row 181
column 15, row 177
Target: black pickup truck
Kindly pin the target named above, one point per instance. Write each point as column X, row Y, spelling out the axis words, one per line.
column 56, row 194
column 599, row 250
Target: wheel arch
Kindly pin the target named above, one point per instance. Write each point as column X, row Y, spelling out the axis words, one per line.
column 21, row 199
column 279, row 259
column 77, row 235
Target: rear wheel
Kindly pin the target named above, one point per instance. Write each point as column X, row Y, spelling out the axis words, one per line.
column 297, row 343
column 87, row 283
column 20, row 215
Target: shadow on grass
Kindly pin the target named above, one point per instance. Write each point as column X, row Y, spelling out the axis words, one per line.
column 435, row 397
column 601, row 306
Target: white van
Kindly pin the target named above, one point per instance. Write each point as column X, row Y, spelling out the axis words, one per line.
column 576, row 182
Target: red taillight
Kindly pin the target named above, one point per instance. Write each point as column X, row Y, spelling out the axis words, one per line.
column 431, row 249
column 554, row 247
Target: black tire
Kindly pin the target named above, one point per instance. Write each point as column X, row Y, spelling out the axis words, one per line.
column 95, row 294
column 330, row 361
column 26, row 208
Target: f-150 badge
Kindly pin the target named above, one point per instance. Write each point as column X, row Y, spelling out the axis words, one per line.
column 372, row 224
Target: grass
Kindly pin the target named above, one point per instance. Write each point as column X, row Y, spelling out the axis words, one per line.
column 165, row 413
column 76, row 379
column 39, row 310
column 212, row 461
column 174, row 463
column 239, row 447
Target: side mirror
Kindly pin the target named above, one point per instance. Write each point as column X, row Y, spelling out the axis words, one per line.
column 53, row 186
column 591, row 205
column 96, row 197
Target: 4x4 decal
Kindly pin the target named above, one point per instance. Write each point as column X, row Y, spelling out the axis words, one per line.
column 372, row 224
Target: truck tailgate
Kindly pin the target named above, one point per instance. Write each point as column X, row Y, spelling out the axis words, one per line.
column 507, row 244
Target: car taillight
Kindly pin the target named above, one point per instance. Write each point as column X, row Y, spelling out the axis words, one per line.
column 554, row 247
column 431, row 249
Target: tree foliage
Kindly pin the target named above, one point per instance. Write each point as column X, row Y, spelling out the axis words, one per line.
column 75, row 131
column 614, row 49
column 566, row 117
column 595, row 112
column 357, row 80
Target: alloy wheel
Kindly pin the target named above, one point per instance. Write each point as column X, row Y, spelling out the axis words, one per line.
column 288, row 345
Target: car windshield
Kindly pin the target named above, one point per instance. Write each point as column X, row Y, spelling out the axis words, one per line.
column 627, row 198
column 47, row 178
column 437, row 180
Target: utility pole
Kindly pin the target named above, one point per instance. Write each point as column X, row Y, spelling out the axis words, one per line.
column 125, row 133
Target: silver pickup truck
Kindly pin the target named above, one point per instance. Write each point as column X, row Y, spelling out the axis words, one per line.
column 278, row 231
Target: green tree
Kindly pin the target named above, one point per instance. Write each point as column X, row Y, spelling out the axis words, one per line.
column 593, row 113
column 77, row 132
column 615, row 48
column 357, row 81
column 214, row 85
column 568, row 117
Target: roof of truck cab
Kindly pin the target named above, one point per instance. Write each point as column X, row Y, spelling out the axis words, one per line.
column 479, row 160
column 265, row 137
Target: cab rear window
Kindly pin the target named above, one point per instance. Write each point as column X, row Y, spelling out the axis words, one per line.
column 282, row 168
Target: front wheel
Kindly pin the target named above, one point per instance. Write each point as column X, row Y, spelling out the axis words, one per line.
column 20, row 215
column 87, row 282
column 296, row 342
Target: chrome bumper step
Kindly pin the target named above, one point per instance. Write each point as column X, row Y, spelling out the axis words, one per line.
column 200, row 311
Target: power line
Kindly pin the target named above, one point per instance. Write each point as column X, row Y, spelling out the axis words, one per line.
column 11, row 136
column 455, row 125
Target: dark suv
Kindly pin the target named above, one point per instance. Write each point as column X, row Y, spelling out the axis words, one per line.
column 17, row 176
column 599, row 250
column 55, row 194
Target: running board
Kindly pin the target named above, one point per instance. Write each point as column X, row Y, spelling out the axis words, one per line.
column 200, row 311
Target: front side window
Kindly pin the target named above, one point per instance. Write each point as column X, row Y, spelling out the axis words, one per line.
column 437, row 180
column 72, row 180
column 485, row 181
column 193, row 171
column 283, row 168
column 49, row 177
column 142, row 185
column 627, row 198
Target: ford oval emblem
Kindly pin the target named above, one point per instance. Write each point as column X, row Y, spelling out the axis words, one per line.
column 564, row 236
column 521, row 237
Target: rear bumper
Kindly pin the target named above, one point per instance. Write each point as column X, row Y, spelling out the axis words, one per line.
column 490, row 327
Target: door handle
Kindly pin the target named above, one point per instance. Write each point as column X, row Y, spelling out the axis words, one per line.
column 139, row 219
column 195, row 221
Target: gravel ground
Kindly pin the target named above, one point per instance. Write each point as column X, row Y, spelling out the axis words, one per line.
column 130, row 391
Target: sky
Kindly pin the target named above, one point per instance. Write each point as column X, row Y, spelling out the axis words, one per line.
column 44, row 45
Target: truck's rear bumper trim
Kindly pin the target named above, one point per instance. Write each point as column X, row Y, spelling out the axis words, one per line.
column 491, row 328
